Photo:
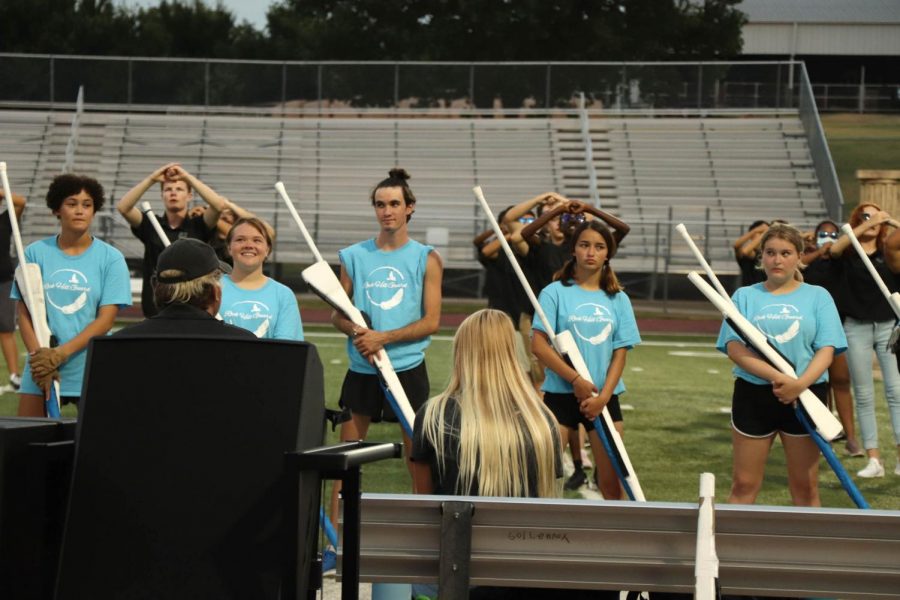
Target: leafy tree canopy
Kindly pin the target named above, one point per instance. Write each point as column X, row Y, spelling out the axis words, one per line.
column 465, row 30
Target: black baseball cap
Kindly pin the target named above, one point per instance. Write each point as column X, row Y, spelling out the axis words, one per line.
column 192, row 258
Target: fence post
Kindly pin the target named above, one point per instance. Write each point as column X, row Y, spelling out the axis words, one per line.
column 130, row 83
column 283, row 86
column 668, row 259
column 700, row 85
column 52, row 89
column 655, row 274
column 547, row 88
column 396, row 84
column 861, row 108
column 206, row 84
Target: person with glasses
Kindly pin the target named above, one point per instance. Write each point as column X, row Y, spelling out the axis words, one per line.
column 868, row 323
column 820, row 270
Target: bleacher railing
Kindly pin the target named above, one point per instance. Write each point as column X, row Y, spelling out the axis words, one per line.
column 141, row 83
column 818, row 147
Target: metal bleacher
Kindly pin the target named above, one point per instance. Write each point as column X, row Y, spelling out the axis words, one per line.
column 718, row 173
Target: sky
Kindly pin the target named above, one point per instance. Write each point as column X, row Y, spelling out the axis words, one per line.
column 243, row 10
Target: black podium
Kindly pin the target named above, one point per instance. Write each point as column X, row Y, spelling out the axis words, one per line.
column 35, row 469
column 178, row 487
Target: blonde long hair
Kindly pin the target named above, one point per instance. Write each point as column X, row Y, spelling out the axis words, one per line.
column 502, row 420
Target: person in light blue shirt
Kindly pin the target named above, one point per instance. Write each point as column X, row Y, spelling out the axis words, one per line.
column 800, row 321
column 85, row 282
column 396, row 282
column 588, row 302
column 250, row 299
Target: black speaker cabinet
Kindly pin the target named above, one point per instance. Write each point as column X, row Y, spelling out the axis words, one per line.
column 178, row 485
column 35, row 470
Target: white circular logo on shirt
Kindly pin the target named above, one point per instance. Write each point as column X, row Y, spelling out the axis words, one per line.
column 67, row 290
column 251, row 315
column 592, row 322
column 780, row 322
column 384, row 287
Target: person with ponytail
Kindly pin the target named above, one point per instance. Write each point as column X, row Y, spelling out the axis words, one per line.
column 868, row 322
column 396, row 281
column 802, row 323
column 588, row 300
column 487, row 434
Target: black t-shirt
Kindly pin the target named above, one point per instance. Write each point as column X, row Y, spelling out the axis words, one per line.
column 496, row 285
column 858, row 295
column 445, row 480
column 191, row 227
column 502, row 286
column 545, row 259
column 825, row 273
column 749, row 273
column 7, row 267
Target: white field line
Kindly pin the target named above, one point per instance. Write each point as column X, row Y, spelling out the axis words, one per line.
column 449, row 338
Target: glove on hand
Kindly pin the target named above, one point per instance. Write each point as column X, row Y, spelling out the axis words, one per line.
column 45, row 381
column 45, row 361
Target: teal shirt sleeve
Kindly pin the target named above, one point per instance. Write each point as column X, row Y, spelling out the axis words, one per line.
column 288, row 325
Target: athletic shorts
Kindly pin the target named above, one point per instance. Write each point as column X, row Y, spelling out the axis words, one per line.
column 362, row 393
column 757, row 413
column 565, row 408
column 7, row 308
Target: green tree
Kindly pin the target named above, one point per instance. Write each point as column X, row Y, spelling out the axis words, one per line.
column 504, row 30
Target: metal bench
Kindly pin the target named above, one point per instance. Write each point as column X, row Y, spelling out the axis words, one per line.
column 762, row 550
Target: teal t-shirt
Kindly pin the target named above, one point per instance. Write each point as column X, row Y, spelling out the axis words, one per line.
column 388, row 287
column 270, row 312
column 599, row 322
column 797, row 324
column 75, row 287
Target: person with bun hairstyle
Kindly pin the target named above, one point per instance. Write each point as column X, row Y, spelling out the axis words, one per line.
column 250, row 299
column 587, row 300
column 85, row 282
column 396, row 282
column 802, row 323
column 868, row 322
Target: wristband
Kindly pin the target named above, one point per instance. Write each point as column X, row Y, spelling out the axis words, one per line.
column 574, row 379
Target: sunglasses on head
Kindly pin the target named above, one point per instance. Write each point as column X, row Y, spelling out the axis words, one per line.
column 570, row 219
column 826, row 234
column 865, row 216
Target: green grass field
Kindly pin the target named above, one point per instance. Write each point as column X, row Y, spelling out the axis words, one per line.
column 861, row 142
column 679, row 388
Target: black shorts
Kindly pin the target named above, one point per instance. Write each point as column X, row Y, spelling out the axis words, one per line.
column 757, row 413
column 362, row 393
column 565, row 408
column 7, row 308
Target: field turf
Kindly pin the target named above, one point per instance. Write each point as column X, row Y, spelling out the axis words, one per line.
column 679, row 388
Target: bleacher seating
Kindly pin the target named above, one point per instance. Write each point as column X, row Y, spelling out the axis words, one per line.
column 718, row 173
